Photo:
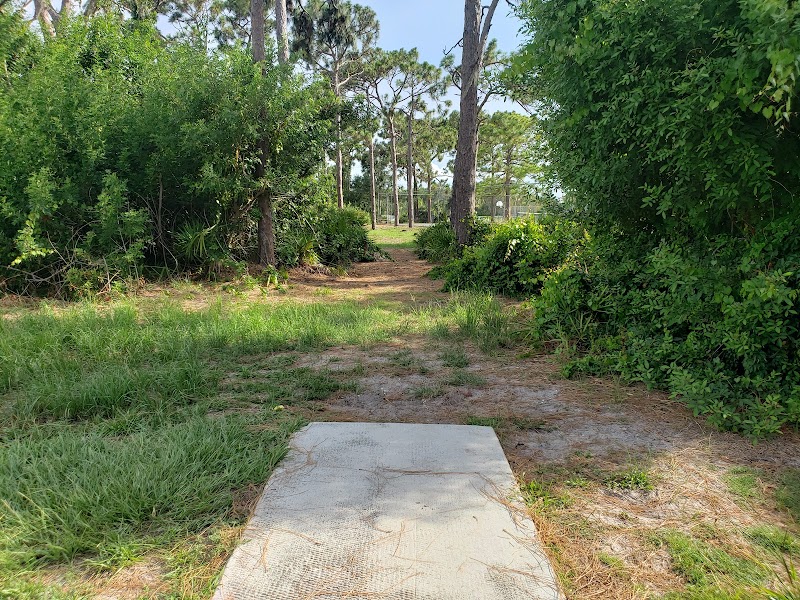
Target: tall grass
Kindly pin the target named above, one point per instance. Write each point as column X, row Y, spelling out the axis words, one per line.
column 85, row 362
column 69, row 494
column 118, row 424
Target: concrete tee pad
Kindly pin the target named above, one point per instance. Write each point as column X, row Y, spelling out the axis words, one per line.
column 396, row 511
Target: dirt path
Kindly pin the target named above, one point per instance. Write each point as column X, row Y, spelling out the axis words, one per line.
column 613, row 472
column 570, row 437
column 402, row 279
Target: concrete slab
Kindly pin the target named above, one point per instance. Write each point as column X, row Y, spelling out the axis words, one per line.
column 404, row 512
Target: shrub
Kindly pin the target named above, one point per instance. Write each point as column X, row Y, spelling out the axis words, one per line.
column 436, row 243
column 120, row 151
column 515, row 258
column 714, row 321
column 341, row 238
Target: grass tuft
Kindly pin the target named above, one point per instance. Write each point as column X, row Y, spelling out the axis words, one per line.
column 632, row 478
column 70, row 494
column 744, row 483
column 706, row 566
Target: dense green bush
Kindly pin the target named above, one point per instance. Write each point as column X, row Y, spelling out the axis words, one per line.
column 671, row 127
column 341, row 237
column 122, row 152
column 515, row 258
column 436, row 243
column 662, row 116
column 713, row 321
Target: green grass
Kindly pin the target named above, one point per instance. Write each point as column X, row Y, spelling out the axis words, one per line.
column 744, row 483
column 710, row 570
column 70, row 494
column 493, row 422
column 86, row 363
column 427, row 392
column 788, row 492
column 542, row 496
column 389, row 237
column 774, row 539
column 128, row 427
column 460, row 377
column 632, row 478
column 506, row 423
column 455, row 358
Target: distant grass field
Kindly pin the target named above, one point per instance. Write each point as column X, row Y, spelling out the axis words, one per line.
column 391, row 237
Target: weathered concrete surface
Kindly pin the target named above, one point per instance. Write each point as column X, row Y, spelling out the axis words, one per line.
column 371, row 510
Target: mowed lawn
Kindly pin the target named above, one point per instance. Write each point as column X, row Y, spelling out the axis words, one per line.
column 390, row 237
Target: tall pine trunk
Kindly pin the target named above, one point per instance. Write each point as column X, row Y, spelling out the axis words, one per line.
column 508, row 186
column 372, row 194
column 339, row 175
column 430, row 195
column 462, row 203
column 339, row 163
column 281, row 31
column 266, row 230
column 410, row 166
column 393, row 151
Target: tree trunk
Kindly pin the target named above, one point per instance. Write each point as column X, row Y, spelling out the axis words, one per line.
column 410, row 167
column 508, row 187
column 393, row 152
column 463, row 200
column 339, row 168
column 372, row 182
column 41, row 12
column 430, row 196
column 281, row 31
column 266, row 231
column 339, row 188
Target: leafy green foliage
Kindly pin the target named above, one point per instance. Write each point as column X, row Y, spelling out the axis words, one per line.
column 342, row 237
column 124, row 153
column 715, row 326
column 671, row 129
column 516, row 257
column 668, row 115
column 436, row 243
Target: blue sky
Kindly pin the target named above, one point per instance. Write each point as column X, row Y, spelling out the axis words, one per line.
column 434, row 25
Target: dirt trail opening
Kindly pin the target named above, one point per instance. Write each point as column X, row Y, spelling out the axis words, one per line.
column 573, row 439
column 401, row 279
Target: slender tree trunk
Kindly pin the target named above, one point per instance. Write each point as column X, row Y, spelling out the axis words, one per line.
column 339, row 161
column 416, row 191
column 393, row 151
column 372, row 182
column 430, row 195
column 339, row 187
column 508, row 188
column 464, row 180
column 266, row 230
column 41, row 12
column 474, row 41
column 410, row 167
column 66, row 9
column 281, row 31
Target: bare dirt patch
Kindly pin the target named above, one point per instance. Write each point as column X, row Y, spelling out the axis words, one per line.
column 401, row 280
column 572, row 435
